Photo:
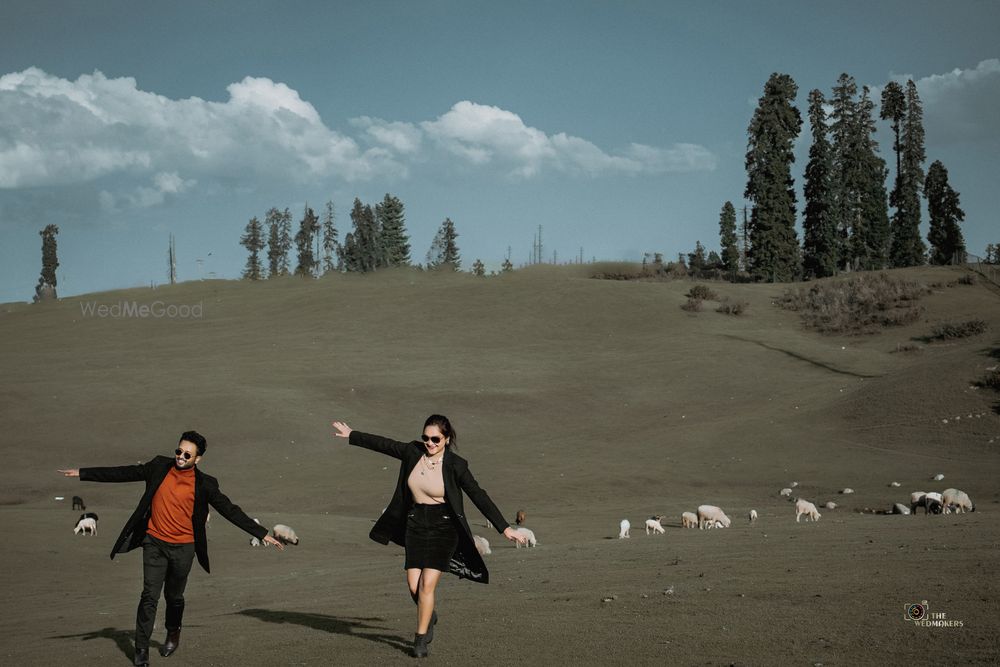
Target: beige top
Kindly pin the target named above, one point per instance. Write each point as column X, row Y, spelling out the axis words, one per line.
column 426, row 482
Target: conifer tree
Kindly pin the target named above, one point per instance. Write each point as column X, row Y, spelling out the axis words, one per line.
column 308, row 229
column 945, row 237
column 394, row 241
column 331, row 247
column 284, row 241
column 46, row 287
column 871, row 248
column 478, row 268
column 349, row 255
column 774, row 249
column 253, row 241
column 506, row 267
column 907, row 247
column 727, row 239
column 819, row 226
column 696, row 260
column 444, row 250
column 272, row 220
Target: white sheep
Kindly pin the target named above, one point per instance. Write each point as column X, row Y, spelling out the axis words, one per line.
column 830, row 505
column 957, row 501
column 894, row 484
column 528, row 533
column 847, row 491
column 793, row 484
column 86, row 525
column 930, row 501
column 916, row 500
column 254, row 542
column 753, row 515
column 653, row 525
column 623, row 529
column 785, row 492
column 285, row 534
column 710, row 515
column 938, row 477
column 689, row 520
column 482, row 546
column 803, row 506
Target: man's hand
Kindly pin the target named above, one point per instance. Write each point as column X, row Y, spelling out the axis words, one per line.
column 72, row 472
column 270, row 540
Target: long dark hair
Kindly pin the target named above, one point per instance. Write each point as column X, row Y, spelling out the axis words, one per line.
column 445, row 427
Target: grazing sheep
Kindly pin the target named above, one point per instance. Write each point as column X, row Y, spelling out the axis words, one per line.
column 623, row 529
column 793, row 484
column 482, row 546
column 530, row 534
column 86, row 524
column 284, row 534
column 653, row 525
column 830, row 505
column 957, row 501
column 938, row 477
column 916, row 500
column 689, row 520
column 803, row 506
column 78, row 503
column 519, row 519
column 894, row 484
column 753, row 515
column 254, row 542
column 785, row 492
column 847, row 491
column 900, row 508
column 710, row 515
column 931, row 502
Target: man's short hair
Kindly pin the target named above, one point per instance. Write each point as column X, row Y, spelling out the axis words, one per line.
column 197, row 439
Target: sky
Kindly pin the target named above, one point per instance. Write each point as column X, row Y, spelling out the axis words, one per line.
column 619, row 127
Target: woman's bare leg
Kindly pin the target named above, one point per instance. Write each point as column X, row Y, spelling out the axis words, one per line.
column 425, row 604
column 413, row 583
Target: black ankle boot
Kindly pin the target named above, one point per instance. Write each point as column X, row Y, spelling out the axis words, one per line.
column 430, row 628
column 171, row 643
column 420, row 646
column 141, row 657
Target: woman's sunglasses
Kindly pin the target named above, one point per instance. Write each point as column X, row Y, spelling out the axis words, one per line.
column 433, row 438
column 181, row 452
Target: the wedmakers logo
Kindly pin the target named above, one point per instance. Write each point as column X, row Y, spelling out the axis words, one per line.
column 920, row 614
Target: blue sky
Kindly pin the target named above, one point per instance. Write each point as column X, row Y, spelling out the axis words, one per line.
column 620, row 127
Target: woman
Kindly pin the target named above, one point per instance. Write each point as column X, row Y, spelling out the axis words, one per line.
column 426, row 515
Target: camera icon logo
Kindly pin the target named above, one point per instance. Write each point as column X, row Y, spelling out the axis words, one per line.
column 915, row 611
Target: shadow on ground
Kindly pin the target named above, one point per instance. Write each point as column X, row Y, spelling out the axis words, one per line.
column 121, row 638
column 350, row 627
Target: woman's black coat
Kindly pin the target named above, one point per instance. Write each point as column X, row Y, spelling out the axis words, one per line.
column 391, row 526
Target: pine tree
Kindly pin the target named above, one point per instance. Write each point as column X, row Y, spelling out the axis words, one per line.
column 871, row 248
column 273, row 221
column 284, row 242
column 945, row 237
column 696, row 260
column 331, row 246
column 843, row 177
column 819, row 226
column 774, row 249
column 506, row 267
column 907, row 247
column 253, row 241
column 444, row 250
column 478, row 268
column 349, row 255
column 46, row 287
column 308, row 229
column 394, row 241
column 727, row 239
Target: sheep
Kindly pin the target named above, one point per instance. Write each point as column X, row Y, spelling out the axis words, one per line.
column 753, row 515
column 785, row 492
column 86, row 524
column 254, row 542
column 938, row 477
column 894, row 484
column 916, row 500
column 519, row 519
column 623, row 529
column 284, row 534
column 847, row 491
column 78, row 503
column 793, row 484
column 957, row 501
column 930, row 501
column 528, row 533
column 803, row 506
column 712, row 516
column 830, row 505
column 900, row 508
column 689, row 520
column 482, row 546
column 653, row 525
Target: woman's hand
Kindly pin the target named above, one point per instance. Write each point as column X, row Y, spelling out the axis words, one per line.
column 515, row 536
column 343, row 430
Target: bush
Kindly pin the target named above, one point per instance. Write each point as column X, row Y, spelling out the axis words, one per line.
column 692, row 305
column 953, row 330
column 702, row 292
column 733, row 307
column 907, row 347
column 857, row 305
column 967, row 279
column 992, row 380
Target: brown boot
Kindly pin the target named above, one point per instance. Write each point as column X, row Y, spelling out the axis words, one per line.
column 171, row 643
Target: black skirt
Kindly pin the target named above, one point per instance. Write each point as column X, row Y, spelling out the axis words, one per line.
column 431, row 537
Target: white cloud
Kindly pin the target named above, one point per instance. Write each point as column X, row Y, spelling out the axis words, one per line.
column 401, row 137
column 145, row 196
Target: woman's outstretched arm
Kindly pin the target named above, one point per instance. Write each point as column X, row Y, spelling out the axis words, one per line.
column 373, row 442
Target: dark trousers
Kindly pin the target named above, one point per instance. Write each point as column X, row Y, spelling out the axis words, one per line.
column 165, row 567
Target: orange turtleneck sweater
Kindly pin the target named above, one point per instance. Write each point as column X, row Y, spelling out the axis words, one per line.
column 173, row 506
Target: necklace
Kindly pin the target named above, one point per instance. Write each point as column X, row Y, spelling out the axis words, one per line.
column 430, row 465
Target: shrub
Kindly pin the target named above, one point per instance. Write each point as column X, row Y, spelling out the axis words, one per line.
column 861, row 304
column 992, row 380
column 953, row 330
column 733, row 307
column 703, row 292
column 967, row 279
column 908, row 347
column 692, row 305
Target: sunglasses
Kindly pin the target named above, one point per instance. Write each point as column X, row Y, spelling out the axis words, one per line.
column 433, row 438
column 181, row 452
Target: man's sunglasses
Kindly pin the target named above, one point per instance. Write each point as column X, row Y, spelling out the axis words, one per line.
column 433, row 438
column 181, row 452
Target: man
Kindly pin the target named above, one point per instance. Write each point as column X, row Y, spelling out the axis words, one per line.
column 169, row 525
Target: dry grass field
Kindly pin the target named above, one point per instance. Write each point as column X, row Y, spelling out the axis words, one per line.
column 580, row 401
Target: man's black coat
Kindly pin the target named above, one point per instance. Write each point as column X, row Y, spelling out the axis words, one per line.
column 206, row 492
column 391, row 526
